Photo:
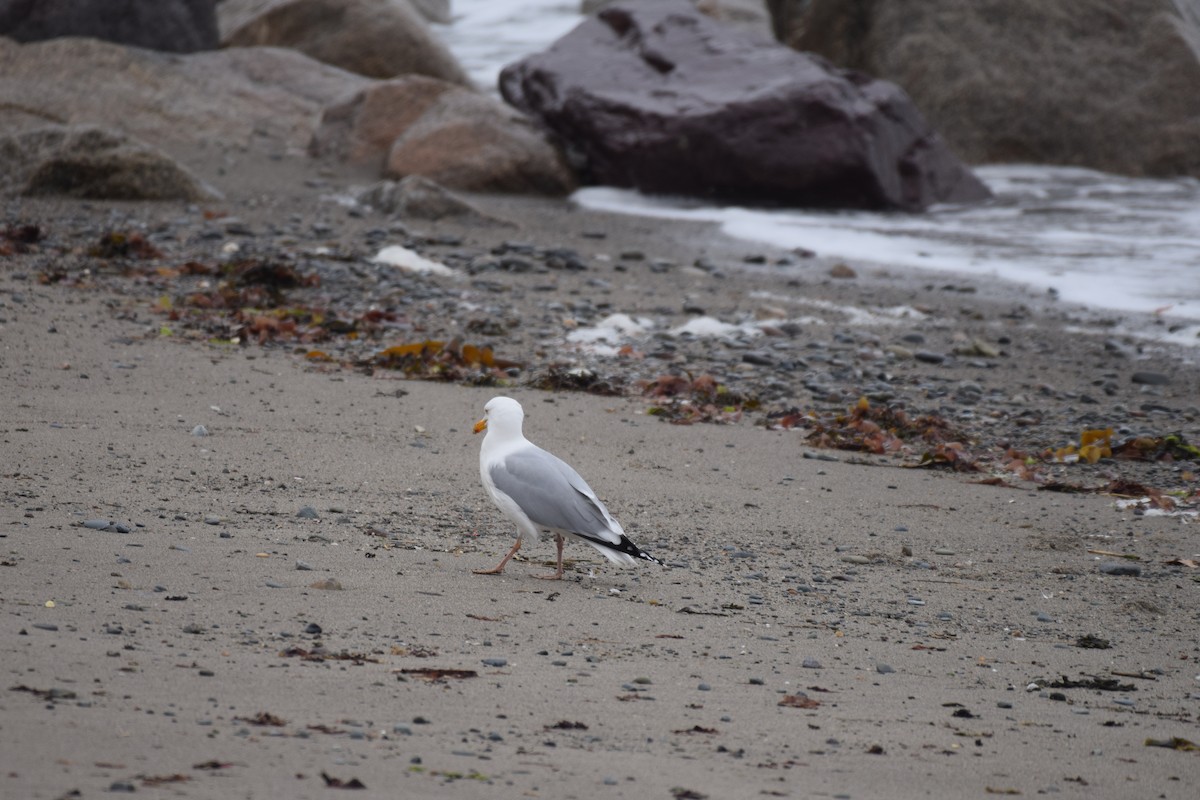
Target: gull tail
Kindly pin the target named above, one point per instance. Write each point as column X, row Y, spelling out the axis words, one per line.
column 623, row 552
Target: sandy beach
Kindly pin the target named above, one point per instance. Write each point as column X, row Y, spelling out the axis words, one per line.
column 281, row 603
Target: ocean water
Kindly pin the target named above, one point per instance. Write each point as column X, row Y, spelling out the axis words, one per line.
column 1100, row 241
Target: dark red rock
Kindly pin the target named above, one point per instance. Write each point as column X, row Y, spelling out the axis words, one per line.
column 659, row 98
column 175, row 26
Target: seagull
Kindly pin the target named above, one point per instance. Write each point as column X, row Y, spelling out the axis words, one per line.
column 538, row 490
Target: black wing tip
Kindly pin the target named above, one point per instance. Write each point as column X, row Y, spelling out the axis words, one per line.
column 624, row 546
column 629, row 548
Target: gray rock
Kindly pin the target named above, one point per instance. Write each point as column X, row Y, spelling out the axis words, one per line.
column 177, row 26
column 1019, row 80
column 660, row 98
column 1150, row 378
column 92, row 162
column 376, row 38
column 416, row 197
column 247, row 102
column 1120, row 568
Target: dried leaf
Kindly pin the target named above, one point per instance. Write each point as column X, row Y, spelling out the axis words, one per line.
column 1174, row 743
column 798, row 701
column 438, row 674
column 337, row 783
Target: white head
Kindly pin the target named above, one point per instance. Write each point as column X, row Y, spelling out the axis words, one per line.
column 502, row 416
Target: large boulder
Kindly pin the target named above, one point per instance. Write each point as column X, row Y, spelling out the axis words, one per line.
column 457, row 137
column 177, row 26
column 245, row 117
column 208, row 110
column 749, row 15
column 91, row 162
column 660, row 98
column 376, row 38
column 1105, row 84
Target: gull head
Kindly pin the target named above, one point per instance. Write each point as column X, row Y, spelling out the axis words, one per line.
column 503, row 416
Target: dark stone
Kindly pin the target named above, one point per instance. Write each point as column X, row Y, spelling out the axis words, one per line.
column 662, row 99
column 1151, row 378
column 174, row 26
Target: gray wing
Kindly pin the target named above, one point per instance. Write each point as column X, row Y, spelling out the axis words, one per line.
column 551, row 493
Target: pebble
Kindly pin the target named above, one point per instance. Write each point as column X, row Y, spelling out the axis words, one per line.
column 212, row 519
column 929, row 357
column 303, row 565
column 1150, row 378
column 1120, row 568
column 884, row 669
column 307, row 512
column 97, row 524
column 810, row 663
column 199, row 430
column 856, row 559
column 495, row 662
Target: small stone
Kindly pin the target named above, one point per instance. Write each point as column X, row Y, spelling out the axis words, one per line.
column 97, row 524
column 495, row 662
column 884, row 669
column 810, row 663
column 843, row 271
column 1150, row 378
column 312, row 629
column 929, row 357
column 1120, row 568
column 758, row 358
column 856, row 559
column 307, row 512
column 303, row 565
column 199, row 430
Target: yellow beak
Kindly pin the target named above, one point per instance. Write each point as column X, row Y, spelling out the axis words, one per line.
column 481, row 425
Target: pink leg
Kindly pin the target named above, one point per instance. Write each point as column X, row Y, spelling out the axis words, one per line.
column 496, row 570
column 557, row 576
